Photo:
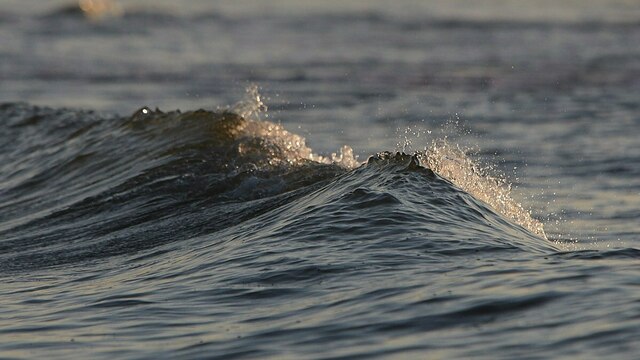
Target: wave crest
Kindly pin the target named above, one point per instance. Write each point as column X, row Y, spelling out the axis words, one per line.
column 453, row 163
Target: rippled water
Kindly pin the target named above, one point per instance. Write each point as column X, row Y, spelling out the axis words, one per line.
column 430, row 180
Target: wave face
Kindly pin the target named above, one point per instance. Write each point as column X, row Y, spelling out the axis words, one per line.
column 214, row 233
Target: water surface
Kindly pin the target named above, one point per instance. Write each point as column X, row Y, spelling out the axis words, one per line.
column 431, row 179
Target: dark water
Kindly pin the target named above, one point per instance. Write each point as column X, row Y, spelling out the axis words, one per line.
column 431, row 180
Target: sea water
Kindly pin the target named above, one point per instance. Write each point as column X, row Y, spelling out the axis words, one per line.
column 337, row 179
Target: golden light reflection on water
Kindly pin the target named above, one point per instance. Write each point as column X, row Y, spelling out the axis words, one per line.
column 99, row 9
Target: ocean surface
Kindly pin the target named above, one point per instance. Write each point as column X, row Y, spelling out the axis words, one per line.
column 320, row 180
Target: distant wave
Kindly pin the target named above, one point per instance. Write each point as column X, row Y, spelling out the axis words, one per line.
column 104, row 10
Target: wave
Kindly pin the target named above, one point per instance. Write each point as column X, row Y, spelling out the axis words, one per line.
column 79, row 185
column 109, row 11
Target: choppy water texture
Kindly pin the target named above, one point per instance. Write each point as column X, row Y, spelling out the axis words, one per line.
column 431, row 180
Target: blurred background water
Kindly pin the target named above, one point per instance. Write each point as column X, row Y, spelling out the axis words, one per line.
column 541, row 94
